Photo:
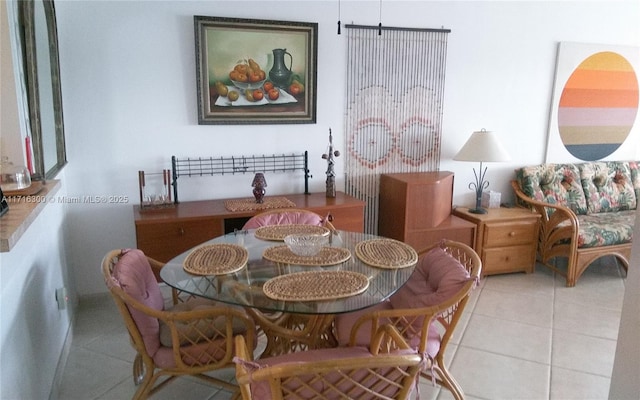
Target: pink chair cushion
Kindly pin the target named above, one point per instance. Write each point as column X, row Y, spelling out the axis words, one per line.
column 135, row 276
column 344, row 324
column 206, row 327
column 195, row 355
column 261, row 389
column 437, row 278
column 284, row 218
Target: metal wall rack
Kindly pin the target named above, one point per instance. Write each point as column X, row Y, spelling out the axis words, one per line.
column 209, row 166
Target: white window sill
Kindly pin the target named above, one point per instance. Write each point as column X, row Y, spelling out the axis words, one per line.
column 21, row 214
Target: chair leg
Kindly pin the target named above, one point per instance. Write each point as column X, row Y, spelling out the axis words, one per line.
column 449, row 382
column 138, row 370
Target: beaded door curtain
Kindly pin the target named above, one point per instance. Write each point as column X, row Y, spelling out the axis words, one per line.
column 395, row 85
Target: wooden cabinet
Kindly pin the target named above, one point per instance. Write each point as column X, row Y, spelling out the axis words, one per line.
column 165, row 233
column 416, row 209
column 506, row 240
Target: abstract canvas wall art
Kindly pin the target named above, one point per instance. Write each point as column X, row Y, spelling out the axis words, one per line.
column 594, row 109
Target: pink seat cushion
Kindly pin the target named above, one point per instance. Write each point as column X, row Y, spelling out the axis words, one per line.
column 437, row 277
column 135, row 276
column 284, row 218
column 344, row 325
column 261, row 389
column 204, row 328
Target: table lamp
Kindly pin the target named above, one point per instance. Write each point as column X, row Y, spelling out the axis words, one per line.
column 482, row 146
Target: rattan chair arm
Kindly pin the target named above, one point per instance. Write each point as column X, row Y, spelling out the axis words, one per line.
column 378, row 360
column 401, row 319
column 387, row 339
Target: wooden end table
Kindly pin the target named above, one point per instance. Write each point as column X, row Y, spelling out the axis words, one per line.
column 506, row 238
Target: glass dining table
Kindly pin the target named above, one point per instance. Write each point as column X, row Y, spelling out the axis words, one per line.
column 297, row 323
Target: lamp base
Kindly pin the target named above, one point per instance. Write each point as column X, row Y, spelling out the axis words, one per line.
column 478, row 210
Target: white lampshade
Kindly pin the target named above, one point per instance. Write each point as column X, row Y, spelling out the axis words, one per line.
column 482, row 146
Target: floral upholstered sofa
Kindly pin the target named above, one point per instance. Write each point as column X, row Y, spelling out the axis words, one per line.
column 588, row 211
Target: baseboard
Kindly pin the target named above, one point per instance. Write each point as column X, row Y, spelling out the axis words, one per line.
column 54, row 394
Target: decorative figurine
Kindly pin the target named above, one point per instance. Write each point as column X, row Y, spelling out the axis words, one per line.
column 331, row 175
column 259, row 183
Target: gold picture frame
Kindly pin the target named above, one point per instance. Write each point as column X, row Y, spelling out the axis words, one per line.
column 274, row 66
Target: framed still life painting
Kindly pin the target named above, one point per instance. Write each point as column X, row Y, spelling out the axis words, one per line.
column 594, row 110
column 255, row 71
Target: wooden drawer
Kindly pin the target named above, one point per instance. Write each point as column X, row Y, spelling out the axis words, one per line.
column 508, row 259
column 163, row 241
column 510, row 233
column 346, row 219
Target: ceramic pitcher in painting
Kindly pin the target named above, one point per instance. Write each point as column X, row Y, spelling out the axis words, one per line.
column 279, row 73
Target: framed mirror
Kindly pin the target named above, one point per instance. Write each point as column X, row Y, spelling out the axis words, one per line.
column 44, row 94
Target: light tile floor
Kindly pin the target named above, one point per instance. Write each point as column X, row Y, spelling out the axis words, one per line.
column 522, row 336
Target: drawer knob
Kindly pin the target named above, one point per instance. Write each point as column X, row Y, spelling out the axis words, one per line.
column 181, row 231
column 512, row 234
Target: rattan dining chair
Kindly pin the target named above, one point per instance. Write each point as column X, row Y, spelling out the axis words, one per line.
column 288, row 216
column 426, row 310
column 193, row 338
column 386, row 369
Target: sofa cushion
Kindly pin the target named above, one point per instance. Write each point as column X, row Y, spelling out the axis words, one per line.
column 604, row 229
column 608, row 186
column 557, row 184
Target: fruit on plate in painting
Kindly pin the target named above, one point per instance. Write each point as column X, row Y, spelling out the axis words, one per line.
column 273, row 94
column 222, row 89
column 254, row 65
column 254, row 77
column 257, row 95
column 296, row 87
column 247, row 71
column 241, row 68
column 233, row 95
column 268, row 85
column 248, row 94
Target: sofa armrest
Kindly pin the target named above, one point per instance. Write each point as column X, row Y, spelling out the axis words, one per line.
column 558, row 228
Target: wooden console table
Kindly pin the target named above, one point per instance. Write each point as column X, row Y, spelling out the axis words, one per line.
column 165, row 233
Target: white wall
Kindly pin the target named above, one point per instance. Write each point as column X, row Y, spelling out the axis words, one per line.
column 32, row 329
column 129, row 94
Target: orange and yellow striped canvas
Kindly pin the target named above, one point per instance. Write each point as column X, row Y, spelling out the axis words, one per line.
column 598, row 106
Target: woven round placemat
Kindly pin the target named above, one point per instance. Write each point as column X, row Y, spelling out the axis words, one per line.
column 278, row 232
column 315, row 285
column 326, row 256
column 216, row 259
column 249, row 204
column 386, row 253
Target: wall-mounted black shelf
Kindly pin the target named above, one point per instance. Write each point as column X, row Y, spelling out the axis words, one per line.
column 209, row 166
